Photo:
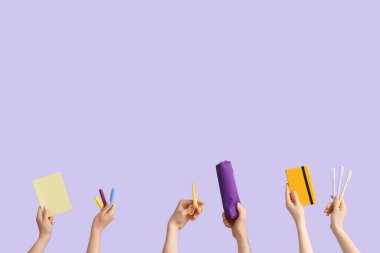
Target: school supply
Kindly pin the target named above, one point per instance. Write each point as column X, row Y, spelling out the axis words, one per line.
column 51, row 192
column 228, row 189
column 299, row 180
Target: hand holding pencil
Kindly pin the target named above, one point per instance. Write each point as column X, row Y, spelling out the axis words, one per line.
column 103, row 218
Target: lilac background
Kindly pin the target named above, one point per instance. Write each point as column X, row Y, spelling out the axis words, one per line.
column 146, row 96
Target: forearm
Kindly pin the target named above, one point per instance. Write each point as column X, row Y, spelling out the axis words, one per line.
column 94, row 242
column 344, row 240
column 243, row 244
column 171, row 241
column 40, row 244
column 303, row 238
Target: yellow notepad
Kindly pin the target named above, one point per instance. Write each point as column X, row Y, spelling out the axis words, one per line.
column 299, row 180
column 51, row 192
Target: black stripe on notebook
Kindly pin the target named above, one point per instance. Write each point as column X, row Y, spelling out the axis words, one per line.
column 307, row 185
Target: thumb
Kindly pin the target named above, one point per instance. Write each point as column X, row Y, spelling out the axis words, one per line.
column 45, row 213
column 295, row 198
column 336, row 204
column 241, row 210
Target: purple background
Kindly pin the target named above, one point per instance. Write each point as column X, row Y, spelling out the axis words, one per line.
column 146, row 96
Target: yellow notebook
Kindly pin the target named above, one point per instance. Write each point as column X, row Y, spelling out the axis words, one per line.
column 299, row 180
column 51, row 192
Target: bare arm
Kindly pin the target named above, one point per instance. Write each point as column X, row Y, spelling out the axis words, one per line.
column 295, row 208
column 94, row 242
column 345, row 241
column 171, row 241
column 45, row 229
column 303, row 238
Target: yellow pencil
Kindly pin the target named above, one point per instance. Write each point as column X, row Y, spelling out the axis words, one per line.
column 100, row 204
column 345, row 184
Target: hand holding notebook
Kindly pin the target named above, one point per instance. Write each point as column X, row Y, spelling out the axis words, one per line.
column 294, row 205
column 299, row 180
column 51, row 193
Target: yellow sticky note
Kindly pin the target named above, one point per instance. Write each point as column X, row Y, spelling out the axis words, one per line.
column 51, row 192
column 299, row 180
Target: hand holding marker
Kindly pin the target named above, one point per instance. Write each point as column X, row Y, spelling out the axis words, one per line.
column 337, row 210
column 105, row 216
column 103, row 203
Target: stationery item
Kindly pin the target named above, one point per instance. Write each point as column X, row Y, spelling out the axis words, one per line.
column 340, row 179
column 299, row 180
column 345, row 185
column 191, row 209
column 51, row 192
column 100, row 204
column 112, row 196
column 333, row 182
column 103, row 197
column 228, row 189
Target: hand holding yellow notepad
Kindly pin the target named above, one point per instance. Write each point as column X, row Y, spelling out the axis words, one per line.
column 51, row 192
column 299, row 180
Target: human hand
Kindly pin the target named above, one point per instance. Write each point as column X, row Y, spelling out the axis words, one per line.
column 181, row 214
column 238, row 226
column 104, row 217
column 294, row 206
column 44, row 223
column 337, row 210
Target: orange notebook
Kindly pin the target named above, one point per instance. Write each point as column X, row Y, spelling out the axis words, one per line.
column 299, row 180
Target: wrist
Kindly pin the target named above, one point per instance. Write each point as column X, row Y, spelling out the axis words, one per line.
column 336, row 229
column 172, row 227
column 241, row 233
column 300, row 222
column 241, row 237
column 44, row 238
column 96, row 229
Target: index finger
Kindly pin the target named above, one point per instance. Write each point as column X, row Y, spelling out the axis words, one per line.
column 111, row 211
column 185, row 203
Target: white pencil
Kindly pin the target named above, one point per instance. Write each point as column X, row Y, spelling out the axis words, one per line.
column 345, row 185
column 340, row 179
column 333, row 182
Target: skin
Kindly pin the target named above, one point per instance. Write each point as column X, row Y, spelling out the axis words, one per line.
column 100, row 222
column 295, row 208
column 337, row 210
column 45, row 227
column 239, row 229
column 178, row 221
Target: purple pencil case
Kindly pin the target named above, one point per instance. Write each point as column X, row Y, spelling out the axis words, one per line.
column 228, row 189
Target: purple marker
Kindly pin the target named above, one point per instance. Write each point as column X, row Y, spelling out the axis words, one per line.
column 228, row 189
column 103, row 197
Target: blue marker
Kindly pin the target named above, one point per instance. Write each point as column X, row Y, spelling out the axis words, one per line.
column 111, row 196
